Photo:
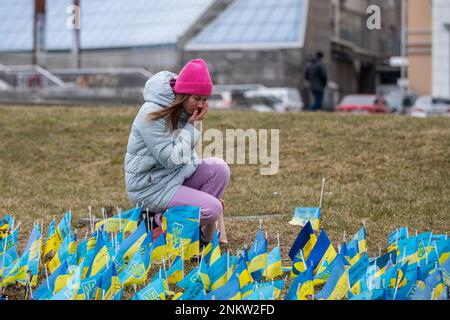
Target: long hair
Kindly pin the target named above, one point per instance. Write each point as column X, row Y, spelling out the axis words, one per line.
column 171, row 113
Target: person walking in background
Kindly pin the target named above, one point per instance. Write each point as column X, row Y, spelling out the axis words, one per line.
column 316, row 75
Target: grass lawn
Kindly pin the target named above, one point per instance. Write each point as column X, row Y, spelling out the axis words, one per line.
column 385, row 171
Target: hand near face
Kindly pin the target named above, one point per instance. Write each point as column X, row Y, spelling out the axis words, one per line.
column 199, row 113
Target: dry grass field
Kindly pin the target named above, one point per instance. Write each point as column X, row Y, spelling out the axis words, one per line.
column 385, row 171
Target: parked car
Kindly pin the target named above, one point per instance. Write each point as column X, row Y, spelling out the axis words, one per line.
column 220, row 100
column 426, row 106
column 274, row 99
column 399, row 103
column 363, row 103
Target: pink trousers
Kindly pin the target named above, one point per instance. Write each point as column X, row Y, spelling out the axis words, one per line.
column 203, row 189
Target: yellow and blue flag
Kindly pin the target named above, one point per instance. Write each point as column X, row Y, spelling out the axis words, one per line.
column 62, row 231
column 109, row 284
column 395, row 236
column 357, row 272
column 190, row 279
column 182, row 227
column 89, row 287
column 153, row 291
column 195, row 291
column 159, row 249
column 66, row 249
column 273, row 264
column 130, row 245
column 230, row 290
column 101, row 257
column 162, row 274
column 305, row 240
column 126, row 221
column 211, row 253
column 443, row 249
column 218, row 272
column 8, row 258
column 323, row 249
column 431, row 282
column 242, row 273
column 302, row 287
column 135, row 271
column 28, row 262
column 47, row 288
column 262, row 293
column 175, row 272
column 337, row 286
column 5, row 226
column 258, row 256
column 33, row 249
column 69, row 292
column 132, row 223
column 445, row 273
column 358, row 242
column 81, row 250
column 303, row 215
column 8, row 252
column 50, row 245
column 250, row 288
column 324, row 270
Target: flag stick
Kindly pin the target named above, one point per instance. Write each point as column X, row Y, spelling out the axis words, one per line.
column 17, row 227
column 321, row 193
column 416, row 233
column 260, row 223
column 164, row 264
column 379, row 251
column 119, row 212
column 432, row 294
column 4, row 255
column 278, row 239
column 396, row 284
column 91, row 223
column 148, row 222
column 182, row 258
column 228, row 263
column 404, row 254
column 343, row 237
column 12, row 222
column 151, row 223
column 201, row 261
column 105, row 217
column 303, row 259
column 429, row 240
column 435, row 249
column 348, row 276
column 296, row 291
column 46, row 277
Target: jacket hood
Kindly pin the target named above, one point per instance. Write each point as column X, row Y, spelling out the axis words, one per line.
column 159, row 90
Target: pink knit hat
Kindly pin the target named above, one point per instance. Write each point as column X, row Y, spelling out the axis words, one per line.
column 194, row 78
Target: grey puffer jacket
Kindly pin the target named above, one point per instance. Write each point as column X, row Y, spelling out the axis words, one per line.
column 157, row 161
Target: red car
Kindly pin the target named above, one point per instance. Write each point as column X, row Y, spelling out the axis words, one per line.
column 363, row 103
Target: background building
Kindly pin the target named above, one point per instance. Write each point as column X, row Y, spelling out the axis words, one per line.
column 441, row 48
column 419, row 46
column 266, row 42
